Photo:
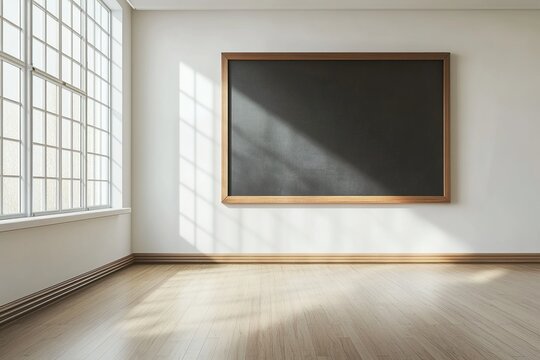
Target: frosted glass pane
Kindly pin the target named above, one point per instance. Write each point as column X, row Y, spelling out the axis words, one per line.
column 90, row 119
column 76, row 136
column 76, row 194
column 11, row 82
column 104, row 143
column 90, row 166
column 52, row 6
column 76, row 19
column 105, row 18
column 11, row 40
column 66, row 41
column 66, row 103
column 97, row 168
column 52, row 61
column 52, row 32
column 52, row 97
column 90, row 197
column 104, row 168
column 38, row 55
column 104, row 118
column 38, row 132
column 52, row 194
column 105, row 69
column 76, row 75
column 98, row 63
column 91, row 59
column 76, row 48
column 90, row 85
column 38, row 159
column 90, row 31
column 97, row 141
column 38, row 23
column 51, row 162
column 66, row 194
column 76, row 107
column 66, row 134
column 52, row 130
column 104, row 43
column 11, row 196
column 97, row 194
column 105, row 93
column 38, row 196
column 90, row 7
column 66, row 12
column 66, row 164
column 38, row 98
column 11, row 158
column 76, row 165
column 11, row 120
column 66, row 69
column 90, row 139
column 12, row 11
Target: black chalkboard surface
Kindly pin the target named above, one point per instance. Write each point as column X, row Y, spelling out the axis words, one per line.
column 344, row 128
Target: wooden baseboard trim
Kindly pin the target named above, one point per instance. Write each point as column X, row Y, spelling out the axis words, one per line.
column 334, row 258
column 37, row 300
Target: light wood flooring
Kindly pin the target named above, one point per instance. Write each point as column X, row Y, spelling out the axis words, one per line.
column 409, row 311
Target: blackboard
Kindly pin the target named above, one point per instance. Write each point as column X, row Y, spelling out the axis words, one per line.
column 335, row 127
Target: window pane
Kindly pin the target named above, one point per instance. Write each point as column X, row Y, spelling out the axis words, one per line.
column 76, row 194
column 38, row 159
column 66, row 164
column 12, row 11
column 38, row 91
column 76, row 165
column 66, row 194
column 66, row 12
column 11, row 196
column 11, row 158
column 52, row 195
column 52, row 32
column 76, row 136
column 11, row 82
column 11, row 120
column 38, row 23
column 38, row 195
column 66, row 134
column 11, row 40
column 51, row 160
column 52, row 130
column 52, row 61
column 38, row 132
column 38, row 55
column 52, row 6
column 66, row 41
column 52, row 97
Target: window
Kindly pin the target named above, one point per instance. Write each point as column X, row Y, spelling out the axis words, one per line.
column 55, row 106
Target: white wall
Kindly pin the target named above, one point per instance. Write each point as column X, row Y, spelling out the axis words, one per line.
column 36, row 258
column 495, row 128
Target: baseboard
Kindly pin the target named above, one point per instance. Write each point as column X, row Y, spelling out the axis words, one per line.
column 187, row 258
column 37, row 300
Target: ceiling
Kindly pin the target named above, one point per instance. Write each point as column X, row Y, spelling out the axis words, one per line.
column 333, row 4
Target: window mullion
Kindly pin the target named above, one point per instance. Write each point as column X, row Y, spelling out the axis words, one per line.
column 28, row 113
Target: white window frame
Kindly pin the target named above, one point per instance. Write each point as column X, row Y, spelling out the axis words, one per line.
column 28, row 72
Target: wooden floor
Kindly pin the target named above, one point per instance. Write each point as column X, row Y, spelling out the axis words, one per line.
column 386, row 312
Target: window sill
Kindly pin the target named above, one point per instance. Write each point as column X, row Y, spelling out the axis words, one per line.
column 30, row 222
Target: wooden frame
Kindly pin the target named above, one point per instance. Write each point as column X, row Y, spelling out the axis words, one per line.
column 230, row 199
